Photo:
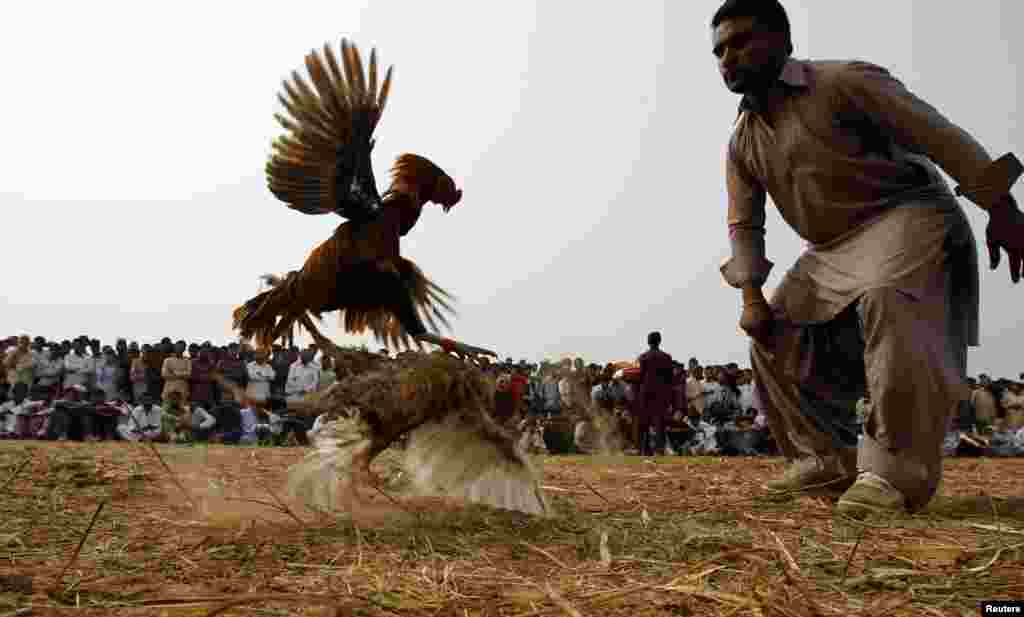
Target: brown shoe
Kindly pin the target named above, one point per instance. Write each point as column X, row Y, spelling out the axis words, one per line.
column 871, row 495
column 812, row 475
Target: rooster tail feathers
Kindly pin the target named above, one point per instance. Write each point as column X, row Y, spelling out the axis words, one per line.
column 257, row 319
column 455, row 458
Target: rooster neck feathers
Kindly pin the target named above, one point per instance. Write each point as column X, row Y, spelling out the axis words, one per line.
column 413, row 176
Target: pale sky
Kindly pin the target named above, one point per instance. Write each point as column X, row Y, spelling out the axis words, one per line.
column 588, row 138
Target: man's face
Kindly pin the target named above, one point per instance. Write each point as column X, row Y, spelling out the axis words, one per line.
column 749, row 57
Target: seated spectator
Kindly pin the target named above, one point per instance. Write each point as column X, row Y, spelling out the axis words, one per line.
column 739, row 438
column 35, row 415
column 105, row 416
column 199, row 424
column 1007, row 443
column 11, row 411
column 228, row 428
column 173, row 418
column 145, row 421
column 703, row 441
column 249, row 434
column 677, row 432
column 71, row 416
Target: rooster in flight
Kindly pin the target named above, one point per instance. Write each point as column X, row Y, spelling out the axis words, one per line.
column 322, row 165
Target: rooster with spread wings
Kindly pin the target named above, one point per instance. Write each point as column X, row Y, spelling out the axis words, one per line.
column 322, row 165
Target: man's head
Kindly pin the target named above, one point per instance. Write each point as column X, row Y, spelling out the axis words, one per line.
column 307, row 356
column 654, row 339
column 146, row 400
column 751, row 40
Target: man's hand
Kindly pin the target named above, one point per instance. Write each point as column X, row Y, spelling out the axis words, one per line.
column 1005, row 231
column 757, row 320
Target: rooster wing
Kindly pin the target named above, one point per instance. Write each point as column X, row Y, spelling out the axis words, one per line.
column 323, row 163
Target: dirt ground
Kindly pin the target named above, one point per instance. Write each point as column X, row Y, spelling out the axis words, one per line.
column 670, row 536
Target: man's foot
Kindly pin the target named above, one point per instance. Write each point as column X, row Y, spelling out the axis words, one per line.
column 810, row 474
column 871, row 494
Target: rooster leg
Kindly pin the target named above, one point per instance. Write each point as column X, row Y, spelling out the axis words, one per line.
column 409, row 318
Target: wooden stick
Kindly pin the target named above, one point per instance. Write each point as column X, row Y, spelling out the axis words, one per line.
column 22, row 465
column 81, row 543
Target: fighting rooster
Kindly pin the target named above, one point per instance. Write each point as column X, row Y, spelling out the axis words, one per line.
column 322, row 165
column 455, row 448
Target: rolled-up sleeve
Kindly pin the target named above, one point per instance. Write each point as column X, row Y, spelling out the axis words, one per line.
column 913, row 123
column 747, row 197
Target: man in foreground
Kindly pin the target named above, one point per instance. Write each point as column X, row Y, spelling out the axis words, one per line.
column 885, row 298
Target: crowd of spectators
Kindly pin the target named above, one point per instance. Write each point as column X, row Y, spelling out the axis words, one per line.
column 164, row 392
column 80, row 389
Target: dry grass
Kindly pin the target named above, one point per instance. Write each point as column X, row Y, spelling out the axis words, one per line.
column 680, row 536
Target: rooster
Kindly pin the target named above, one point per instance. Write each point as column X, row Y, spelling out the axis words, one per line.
column 440, row 403
column 322, row 165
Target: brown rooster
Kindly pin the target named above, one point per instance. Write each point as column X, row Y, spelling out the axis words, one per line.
column 323, row 166
column 439, row 404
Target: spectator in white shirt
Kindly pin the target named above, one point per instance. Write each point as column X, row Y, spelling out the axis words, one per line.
column 303, row 377
column 78, row 367
column 144, row 422
column 261, row 374
column 49, row 369
column 695, row 389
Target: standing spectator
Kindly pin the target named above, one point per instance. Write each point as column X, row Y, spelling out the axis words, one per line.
column 281, row 361
column 50, row 370
column 137, row 374
column 303, row 377
column 233, row 368
column 176, row 371
column 21, row 363
column 77, row 366
column 655, row 394
column 260, row 374
column 327, row 374
column 106, row 369
column 201, row 378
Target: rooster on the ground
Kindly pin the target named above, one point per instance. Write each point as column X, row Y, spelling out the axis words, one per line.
column 441, row 403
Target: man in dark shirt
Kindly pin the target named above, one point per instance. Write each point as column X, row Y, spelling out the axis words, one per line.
column 655, row 395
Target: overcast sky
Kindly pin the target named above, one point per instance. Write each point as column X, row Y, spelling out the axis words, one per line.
column 588, row 138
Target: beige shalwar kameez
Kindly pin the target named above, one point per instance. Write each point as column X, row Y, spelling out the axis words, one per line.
column 847, row 160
